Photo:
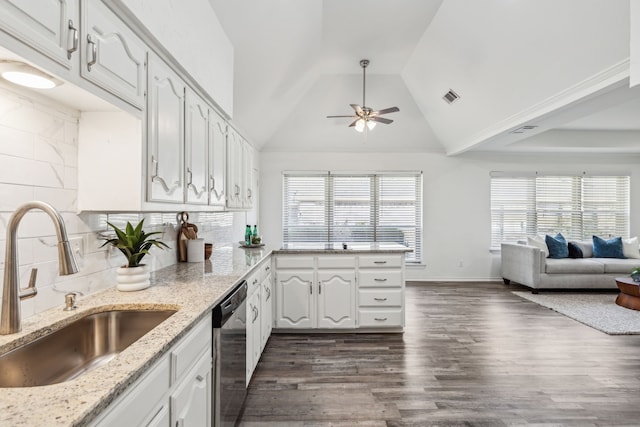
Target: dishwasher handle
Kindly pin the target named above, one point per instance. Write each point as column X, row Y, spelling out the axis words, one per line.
column 229, row 305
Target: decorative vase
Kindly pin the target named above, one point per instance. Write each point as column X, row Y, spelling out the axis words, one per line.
column 636, row 277
column 133, row 278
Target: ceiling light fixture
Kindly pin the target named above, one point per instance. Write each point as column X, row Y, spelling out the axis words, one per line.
column 25, row 75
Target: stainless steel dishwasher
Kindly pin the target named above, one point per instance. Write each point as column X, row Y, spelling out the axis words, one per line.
column 229, row 357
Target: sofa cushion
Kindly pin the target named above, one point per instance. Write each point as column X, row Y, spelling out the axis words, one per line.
column 586, row 246
column 611, row 248
column 574, row 250
column 557, row 246
column 616, row 265
column 538, row 242
column 630, row 248
column 573, row 266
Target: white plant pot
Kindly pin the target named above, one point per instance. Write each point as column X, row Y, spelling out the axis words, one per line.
column 133, row 278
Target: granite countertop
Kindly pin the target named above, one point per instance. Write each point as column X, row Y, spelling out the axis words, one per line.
column 335, row 248
column 193, row 288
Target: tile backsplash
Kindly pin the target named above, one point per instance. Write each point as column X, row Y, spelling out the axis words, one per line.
column 38, row 161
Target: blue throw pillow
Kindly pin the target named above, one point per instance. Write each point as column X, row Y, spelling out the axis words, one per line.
column 557, row 246
column 611, row 248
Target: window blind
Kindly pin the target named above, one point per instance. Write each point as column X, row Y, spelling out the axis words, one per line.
column 354, row 207
column 576, row 206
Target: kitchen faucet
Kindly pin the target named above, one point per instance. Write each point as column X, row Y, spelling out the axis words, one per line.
column 10, row 320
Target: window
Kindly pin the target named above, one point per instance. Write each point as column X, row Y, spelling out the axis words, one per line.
column 375, row 207
column 576, row 206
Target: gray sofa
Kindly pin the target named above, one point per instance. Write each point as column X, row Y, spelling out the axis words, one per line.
column 527, row 265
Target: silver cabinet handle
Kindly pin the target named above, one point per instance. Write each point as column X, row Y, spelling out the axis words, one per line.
column 310, row 288
column 154, row 167
column 75, row 33
column 319, row 288
column 379, row 262
column 200, row 378
column 190, row 175
column 212, row 182
column 94, row 52
column 255, row 314
column 255, row 281
column 237, row 187
column 380, row 280
column 267, row 268
column 268, row 294
column 380, row 319
column 249, row 193
column 380, row 299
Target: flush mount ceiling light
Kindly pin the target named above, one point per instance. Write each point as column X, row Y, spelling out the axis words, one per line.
column 365, row 116
column 25, row 75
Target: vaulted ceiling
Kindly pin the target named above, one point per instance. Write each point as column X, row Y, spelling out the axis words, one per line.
column 559, row 65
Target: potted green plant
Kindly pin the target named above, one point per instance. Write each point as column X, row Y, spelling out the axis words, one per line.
column 635, row 274
column 134, row 244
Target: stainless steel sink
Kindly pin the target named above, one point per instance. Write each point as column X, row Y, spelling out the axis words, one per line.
column 79, row 347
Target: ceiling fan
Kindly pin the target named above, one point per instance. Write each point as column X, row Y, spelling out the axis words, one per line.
column 365, row 116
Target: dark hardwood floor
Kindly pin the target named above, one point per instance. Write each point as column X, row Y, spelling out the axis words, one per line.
column 472, row 354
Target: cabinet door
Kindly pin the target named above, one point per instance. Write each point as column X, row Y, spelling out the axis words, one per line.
column 295, row 304
column 234, row 169
column 49, row 26
column 165, row 134
column 217, row 159
column 112, row 56
column 336, row 299
column 247, row 175
column 253, row 333
column 196, row 144
column 191, row 401
column 266, row 302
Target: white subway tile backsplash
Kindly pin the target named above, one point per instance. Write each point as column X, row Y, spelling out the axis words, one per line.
column 14, row 195
column 16, row 143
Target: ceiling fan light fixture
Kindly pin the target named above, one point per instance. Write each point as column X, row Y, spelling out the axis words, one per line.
column 371, row 124
column 359, row 125
column 25, row 75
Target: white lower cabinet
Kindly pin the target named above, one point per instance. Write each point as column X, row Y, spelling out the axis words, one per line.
column 175, row 391
column 320, row 295
column 191, row 401
column 259, row 314
column 339, row 291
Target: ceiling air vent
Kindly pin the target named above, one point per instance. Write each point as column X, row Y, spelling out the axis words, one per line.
column 451, row 97
column 523, row 129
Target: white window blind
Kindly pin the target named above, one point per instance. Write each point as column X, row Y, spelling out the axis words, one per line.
column 375, row 207
column 576, row 206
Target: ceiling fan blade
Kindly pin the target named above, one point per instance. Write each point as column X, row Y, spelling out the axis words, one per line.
column 380, row 119
column 358, row 109
column 333, row 117
column 354, row 122
column 385, row 111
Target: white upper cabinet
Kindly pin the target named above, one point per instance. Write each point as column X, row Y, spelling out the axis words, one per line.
column 217, row 159
column 49, row 26
column 112, row 56
column 165, row 133
column 196, row 148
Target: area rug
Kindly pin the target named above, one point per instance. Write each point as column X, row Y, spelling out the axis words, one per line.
column 596, row 310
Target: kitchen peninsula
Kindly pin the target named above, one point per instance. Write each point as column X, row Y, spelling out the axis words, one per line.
column 358, row 287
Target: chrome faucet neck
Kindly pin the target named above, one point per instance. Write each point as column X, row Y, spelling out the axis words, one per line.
column 10, row 319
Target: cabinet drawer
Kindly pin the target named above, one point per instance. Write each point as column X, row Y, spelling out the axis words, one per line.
column 265, row 269
column 380, row 278
column 337, row 261
column 253, row 282
column 381, row 261
column 380, row 297
column 294, row 262
column 193, row 344
column 380, row 317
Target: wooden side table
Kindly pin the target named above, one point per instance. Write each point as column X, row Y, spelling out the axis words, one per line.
column 629, row 296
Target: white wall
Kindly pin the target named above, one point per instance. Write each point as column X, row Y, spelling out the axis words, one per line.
column 456, row 199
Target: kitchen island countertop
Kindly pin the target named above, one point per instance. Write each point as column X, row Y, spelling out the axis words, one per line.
column 193, row 288
column 337, row 248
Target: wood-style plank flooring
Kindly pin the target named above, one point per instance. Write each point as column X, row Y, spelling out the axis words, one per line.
column 472, row 354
